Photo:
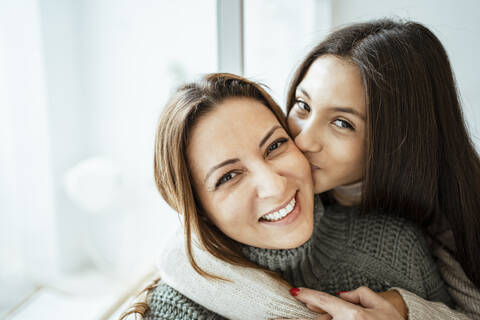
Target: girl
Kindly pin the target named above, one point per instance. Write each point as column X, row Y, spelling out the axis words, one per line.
column 247, row 200
column 375, row 109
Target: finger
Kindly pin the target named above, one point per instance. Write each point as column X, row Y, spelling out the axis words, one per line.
column 328, row 303
column 364, row 297
column 315, row 308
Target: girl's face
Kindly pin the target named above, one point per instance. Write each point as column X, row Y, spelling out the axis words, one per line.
column 328, row 122
column 251, row 180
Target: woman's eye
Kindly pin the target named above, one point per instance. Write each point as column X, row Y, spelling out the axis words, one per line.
column 275, row 145
column 303, row 105
column 343, row 124
column 225, row 178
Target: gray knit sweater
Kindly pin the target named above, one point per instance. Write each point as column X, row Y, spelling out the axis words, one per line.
column 346, row 251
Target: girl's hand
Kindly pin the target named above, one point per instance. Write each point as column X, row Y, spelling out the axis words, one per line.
column 359, row 304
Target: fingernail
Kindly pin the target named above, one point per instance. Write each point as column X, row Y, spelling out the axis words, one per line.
column 294, row 291
column 340, row 292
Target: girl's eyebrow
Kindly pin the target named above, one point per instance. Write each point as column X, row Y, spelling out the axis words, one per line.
column 304, row 92
column 337, row 109
column 348, row 110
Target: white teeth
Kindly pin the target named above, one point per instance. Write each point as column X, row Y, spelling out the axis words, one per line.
column 280, row 214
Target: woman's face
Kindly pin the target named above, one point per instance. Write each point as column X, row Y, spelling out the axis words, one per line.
column 252, row 181
column 328, row 122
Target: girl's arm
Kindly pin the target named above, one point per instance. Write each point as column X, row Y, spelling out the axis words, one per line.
column 420, row 309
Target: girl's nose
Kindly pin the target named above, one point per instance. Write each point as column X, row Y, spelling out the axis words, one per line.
column 308, row 139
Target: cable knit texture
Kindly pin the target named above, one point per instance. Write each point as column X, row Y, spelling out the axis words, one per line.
column 345, row 251
column 464, row 293
column 167, row 303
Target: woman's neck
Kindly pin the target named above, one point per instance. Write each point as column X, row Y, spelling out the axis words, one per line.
column 349, row 195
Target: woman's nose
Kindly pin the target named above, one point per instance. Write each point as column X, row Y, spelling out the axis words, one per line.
column 270, row 183
column 308, row 139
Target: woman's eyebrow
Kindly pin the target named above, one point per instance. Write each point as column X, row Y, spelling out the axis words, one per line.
column 268, row 135
column 234, row 160
column 221, row 164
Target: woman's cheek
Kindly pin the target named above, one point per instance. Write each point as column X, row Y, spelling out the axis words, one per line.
column 298, row 164
column 294, row 126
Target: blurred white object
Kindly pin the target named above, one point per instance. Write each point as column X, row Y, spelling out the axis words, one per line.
column 121, row 222
column 94, row 184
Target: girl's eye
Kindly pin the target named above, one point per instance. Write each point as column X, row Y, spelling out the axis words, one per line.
column 343, row 124
column 225, row 178
column 303, row 105
column 275, row 145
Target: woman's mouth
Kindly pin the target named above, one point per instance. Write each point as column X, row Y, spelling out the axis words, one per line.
column 280, row 214
column 284, row 215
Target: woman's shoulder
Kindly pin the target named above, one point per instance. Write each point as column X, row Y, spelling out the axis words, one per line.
column 400, row 246
column 395, row 241
column 166, row 303
column 376, row 233
column 391, row 230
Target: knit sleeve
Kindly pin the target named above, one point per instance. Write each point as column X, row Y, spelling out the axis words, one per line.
column 422, row 268
column 165, row 303
column 420, row 309
column 464, row 293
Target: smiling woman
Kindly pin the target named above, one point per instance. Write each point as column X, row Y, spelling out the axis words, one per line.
column 261, row 166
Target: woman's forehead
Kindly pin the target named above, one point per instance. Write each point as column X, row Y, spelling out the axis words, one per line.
column 234, row 128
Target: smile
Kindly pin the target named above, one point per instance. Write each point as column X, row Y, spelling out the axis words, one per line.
column 280, row 214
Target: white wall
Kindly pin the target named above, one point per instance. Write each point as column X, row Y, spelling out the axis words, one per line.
column 456, row 24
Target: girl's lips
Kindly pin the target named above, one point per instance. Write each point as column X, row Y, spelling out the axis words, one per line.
column 314, row 167
column 289, row 218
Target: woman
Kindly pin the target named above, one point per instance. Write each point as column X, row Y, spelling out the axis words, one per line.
column 247, row 199
column 375, row 104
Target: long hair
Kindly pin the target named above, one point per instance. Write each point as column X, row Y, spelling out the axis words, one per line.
column 420, row 161
column 171, row 169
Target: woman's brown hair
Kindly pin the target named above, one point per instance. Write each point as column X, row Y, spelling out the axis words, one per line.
column 420, row 161
column 171, row 169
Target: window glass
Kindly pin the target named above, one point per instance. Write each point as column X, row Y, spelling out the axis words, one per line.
column 278, row 34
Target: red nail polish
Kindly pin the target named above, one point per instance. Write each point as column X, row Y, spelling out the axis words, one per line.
column 294, row 291
column 340, row 292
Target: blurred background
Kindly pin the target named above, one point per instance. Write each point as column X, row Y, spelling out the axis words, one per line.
column 82, row 83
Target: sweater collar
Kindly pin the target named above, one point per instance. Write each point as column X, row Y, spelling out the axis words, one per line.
column 351, row 193
column 316, row 254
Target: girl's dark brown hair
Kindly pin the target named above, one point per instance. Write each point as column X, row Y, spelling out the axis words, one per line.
column 171, row 169
column 420, row 161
